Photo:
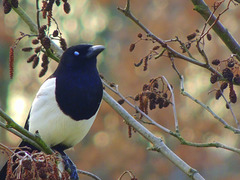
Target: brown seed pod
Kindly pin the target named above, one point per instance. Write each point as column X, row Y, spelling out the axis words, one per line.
column 216, row 62
column 112, row 84
column 43, row 71
column 38, row 49
column 42, row 28
column 27, row 49
column 41, row 35
column 218, row 94
column 145, row 87
column 44, row 12
column 191, row 36
column 63, row 44
column 138, row 64
column 165, row 95
column 139, row 35
column 129, row 131
column 121, row 101
column 7, row 6
column 228, row 74
column 55, row 33
column 155, row 85
column 11, row 62
column 214, row 78
column 152, row 104
column 45, row 59
column 145, row 63
column 35, row 62
column 141, row 103
column 227, row 106
column 160, row 105
column 233, row 96
column 30, row 59
column 49, row 18
column 131, row 48
column 209, row 37
column 223, row 86
column 152, row 96
column 46, row 43
column 49, row 7
column 35, row 41
column 156, row 47
column 136, row 98
column 236, row 79
column 145, row 105
column 166, row 103
column 231, row 64
column 66, row 7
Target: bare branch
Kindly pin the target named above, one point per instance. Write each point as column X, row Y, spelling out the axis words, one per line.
column 201, row 7
column 126, row 11
column 157, row 142
column 226, row 125
column 17, row 130
column 93, row 176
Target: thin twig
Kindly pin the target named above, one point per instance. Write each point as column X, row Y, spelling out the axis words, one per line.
column 226, row 125
column 126, row 11
column 38, row 13
column 88, row 174
column 127, row 172
column 173, row 104
column 211, row 144
column 201, row 7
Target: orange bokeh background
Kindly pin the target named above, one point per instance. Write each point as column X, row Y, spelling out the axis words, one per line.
column 107, row 151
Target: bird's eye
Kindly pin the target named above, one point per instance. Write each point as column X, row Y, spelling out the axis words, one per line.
column 76, row 53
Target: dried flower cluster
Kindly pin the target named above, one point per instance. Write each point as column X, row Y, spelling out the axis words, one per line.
column 154, row 94
column 153, row 52
column 41, row 44
column 193, row 37
column 35, row 165
column 47, row 6
column 229, row 68
column 8, row 5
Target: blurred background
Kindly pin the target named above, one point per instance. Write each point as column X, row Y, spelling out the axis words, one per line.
column 107, row 151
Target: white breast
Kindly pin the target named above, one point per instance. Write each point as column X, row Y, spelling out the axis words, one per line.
column 52, row 124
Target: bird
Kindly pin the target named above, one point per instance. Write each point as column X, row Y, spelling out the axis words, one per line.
column 68, row 101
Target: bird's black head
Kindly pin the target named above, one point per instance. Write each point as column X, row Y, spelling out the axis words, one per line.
column 80, row 55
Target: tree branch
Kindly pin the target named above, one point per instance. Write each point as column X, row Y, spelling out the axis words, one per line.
column 13, row 127
column 202, row 8
column 226, row 125
column 158, row 144
column 126, row 11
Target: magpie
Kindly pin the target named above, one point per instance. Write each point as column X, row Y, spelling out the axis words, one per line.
column 67, row 103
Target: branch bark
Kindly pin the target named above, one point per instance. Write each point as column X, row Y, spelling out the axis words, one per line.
column 202, row 8
column 158, row 144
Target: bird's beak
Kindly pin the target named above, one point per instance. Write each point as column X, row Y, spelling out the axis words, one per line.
column 95, row 50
